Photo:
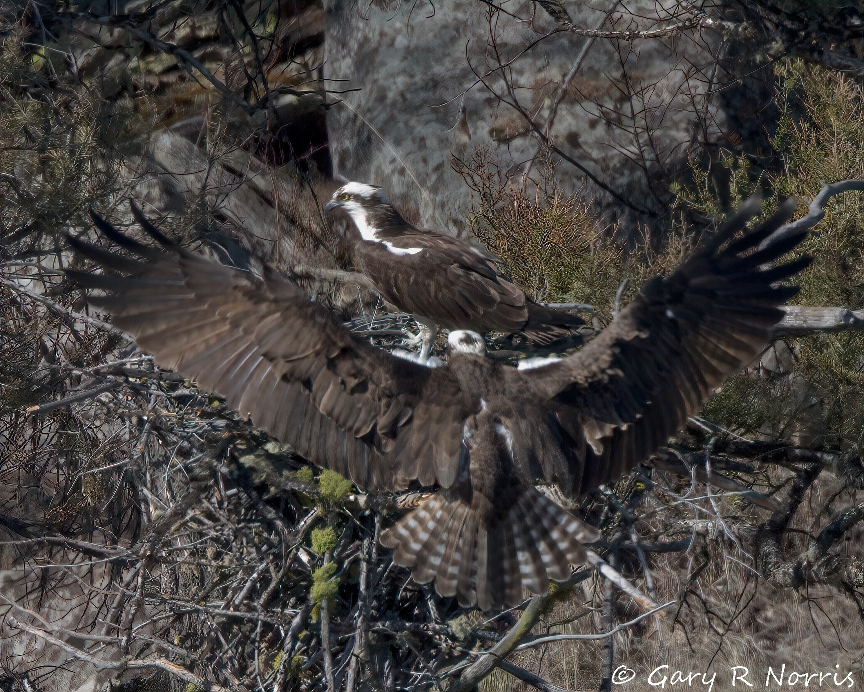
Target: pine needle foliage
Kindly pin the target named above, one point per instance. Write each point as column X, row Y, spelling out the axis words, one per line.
column 820, row 136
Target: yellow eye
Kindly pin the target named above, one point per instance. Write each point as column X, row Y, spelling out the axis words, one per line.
column 345, row 196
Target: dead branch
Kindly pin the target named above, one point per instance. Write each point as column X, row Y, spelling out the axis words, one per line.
column 533, row 640
column 816, row 209
column 527, row 676
column 674, row 463
column 801, row 320
column 58, row 309
column 74, row 398
column 620, row 581
column 535, row 609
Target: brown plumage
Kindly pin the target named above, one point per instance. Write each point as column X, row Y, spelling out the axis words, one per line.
column 481, row 432
column 444, row 281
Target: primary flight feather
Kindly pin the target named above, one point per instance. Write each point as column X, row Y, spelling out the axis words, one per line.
column 480, row 431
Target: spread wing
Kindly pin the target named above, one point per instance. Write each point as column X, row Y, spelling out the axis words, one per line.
column 283, row 361
column 633, row 386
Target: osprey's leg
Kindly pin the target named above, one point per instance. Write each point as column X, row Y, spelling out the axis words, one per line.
column 426, row 336
column 429, row 333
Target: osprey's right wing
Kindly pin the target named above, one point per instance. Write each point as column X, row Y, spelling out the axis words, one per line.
column 283, row 361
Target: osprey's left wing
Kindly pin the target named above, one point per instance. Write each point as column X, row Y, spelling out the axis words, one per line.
column 283, row 361
column 632, row 387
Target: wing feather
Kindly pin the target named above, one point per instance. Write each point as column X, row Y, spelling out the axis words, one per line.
column 281, row 360
column 634, row 385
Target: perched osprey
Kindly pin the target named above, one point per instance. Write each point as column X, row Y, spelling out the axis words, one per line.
column 480, row 431
column 443, row 281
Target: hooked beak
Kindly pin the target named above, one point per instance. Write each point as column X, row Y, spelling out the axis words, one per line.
column 331, row 205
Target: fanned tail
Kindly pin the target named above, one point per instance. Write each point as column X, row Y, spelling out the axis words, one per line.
column 546, row 325
column 489, row 564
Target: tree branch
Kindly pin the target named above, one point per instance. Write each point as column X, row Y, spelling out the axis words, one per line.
column 537, row 641
column 537, row 606
column 804, row 319
column 527, row 676
column 58, row 309
column 816, row 210
column 74, row 398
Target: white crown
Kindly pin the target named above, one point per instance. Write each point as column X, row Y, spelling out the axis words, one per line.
column 363, row 190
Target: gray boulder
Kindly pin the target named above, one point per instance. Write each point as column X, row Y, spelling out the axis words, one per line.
column 431, row 87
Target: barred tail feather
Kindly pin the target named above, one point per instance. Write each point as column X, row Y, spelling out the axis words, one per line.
column 489, row 564
column 545, row 325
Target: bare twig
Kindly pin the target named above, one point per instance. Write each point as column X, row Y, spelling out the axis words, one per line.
column 620, row 581
column 325, row 640
column 369, row 554
column 74, row 398
column 58, row 309
column 532, row 641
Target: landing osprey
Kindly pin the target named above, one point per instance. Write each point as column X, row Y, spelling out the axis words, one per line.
column 480, row 431
column 443, row 281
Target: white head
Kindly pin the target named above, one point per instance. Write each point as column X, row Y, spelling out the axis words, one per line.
column 464, row 341
column 358, row 199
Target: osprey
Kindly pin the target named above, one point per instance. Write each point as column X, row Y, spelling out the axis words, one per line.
column 443, row 281
column 479, row 431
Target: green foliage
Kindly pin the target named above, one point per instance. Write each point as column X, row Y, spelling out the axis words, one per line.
column 324, row 540
column 324, row 586
column 305, row 474
column 551, row 244
column 700, row 193
column 58, row 144
column 278, row 660
column 333, row 486
column 820, row 136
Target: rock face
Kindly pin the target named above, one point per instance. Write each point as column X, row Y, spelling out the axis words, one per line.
column 431, row 87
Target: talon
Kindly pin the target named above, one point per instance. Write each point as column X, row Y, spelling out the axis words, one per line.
column 413, row 339
column 426, row 336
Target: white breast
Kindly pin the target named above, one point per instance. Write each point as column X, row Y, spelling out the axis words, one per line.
column 358, row 216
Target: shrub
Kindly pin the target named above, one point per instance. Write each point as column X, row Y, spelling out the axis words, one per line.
column 333, row 486
column 820, row 137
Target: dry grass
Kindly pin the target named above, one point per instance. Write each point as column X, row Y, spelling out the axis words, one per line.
column 727, row 615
